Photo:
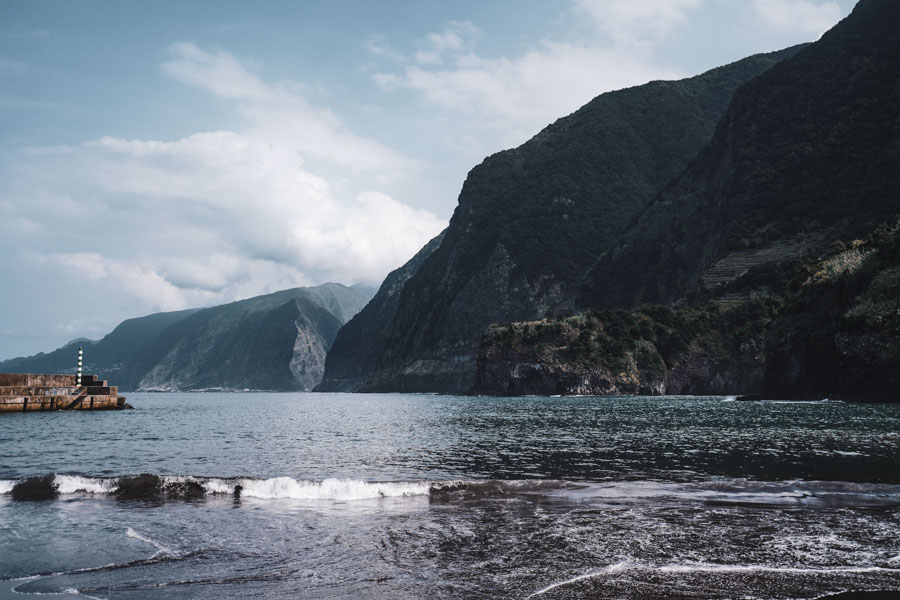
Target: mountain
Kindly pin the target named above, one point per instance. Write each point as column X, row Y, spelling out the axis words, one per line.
column 771, row 265
column 529, row 223
column 807, row 154
column 273, row 342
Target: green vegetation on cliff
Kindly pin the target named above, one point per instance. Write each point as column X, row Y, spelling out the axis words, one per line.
column 652, row 350
column 828, row 328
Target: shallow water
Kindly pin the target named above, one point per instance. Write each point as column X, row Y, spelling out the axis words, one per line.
column 412, row 496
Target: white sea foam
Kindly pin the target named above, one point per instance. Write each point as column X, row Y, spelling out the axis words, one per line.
column 160, row 548
column 329, row 489
column 714, row 568
column 614, row 568
column 707, row 568
column 6, row 485
column 73, row 484
column 218, row 486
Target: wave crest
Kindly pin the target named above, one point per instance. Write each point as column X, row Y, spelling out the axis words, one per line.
column 149, row 486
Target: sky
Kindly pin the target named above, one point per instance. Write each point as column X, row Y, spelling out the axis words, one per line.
column 157, row 156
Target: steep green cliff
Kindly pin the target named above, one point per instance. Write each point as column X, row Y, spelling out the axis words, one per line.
column 362, row 341
column 808, row 153
column 530, row 221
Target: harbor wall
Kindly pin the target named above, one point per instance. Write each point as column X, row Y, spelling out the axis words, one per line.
column 27, row 392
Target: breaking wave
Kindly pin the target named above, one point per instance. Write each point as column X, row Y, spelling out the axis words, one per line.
column 148, row 486
column 736, row 492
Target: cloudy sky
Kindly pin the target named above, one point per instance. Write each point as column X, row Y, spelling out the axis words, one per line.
column 163, row 155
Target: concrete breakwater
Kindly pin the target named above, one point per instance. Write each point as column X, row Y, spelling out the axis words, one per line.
column 20, row 392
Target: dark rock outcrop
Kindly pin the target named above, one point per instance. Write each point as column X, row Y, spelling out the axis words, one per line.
column 839, row 337
column 36, row 488
column 652, row 351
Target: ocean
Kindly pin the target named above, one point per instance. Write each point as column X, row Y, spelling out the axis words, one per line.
column 217, row 495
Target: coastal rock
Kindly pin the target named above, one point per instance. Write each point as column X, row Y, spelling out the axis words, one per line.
column 36, row 488
column 839, row 337
column 654, row 351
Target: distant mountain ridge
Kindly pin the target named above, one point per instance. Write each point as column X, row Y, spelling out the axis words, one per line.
column 106, row 354
column 273, row 342
column 530, row 221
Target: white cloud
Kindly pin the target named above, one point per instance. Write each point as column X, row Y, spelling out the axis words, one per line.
column 173, row 283
column 218, row 215
column 230, row 194
column 94, row 326
column 279, row 113
column 219, row 72
column 455, row 37
column 127, row 276
column 641, row 23
column 516, row 96
column 800, row 16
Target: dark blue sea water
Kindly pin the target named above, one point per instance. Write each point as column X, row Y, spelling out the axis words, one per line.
column 421, row 496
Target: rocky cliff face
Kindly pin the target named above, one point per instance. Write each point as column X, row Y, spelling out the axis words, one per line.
column 839, row 337
column 827, row 329
column 530, row 221
column 245, row 347
column 361, row 342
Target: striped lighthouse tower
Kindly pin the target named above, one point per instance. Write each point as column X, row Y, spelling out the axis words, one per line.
column 78, row 373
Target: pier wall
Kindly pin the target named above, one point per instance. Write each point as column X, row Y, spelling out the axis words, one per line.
column 25, row 392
